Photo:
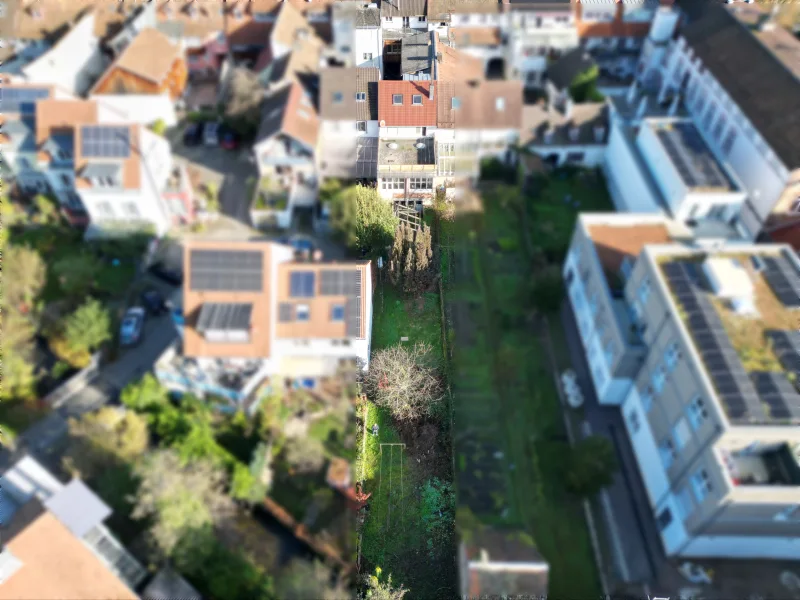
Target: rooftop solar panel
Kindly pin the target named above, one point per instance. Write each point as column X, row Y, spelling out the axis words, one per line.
column 224, row 316
column 691, row 157
column 301, row 284
column 21, row 100
column 99, row 141
column 226, row 270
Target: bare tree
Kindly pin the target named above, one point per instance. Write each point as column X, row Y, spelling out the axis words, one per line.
column 404, row 380
column 304, row 454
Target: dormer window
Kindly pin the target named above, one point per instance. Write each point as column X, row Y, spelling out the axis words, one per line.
column 337, row 313
column 397, row 99
column 416, row 100
column 361, row 96
column 456, row 103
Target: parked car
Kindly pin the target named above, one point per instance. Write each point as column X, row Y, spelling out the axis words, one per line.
column 193, row 134
column 130, row 332
column 164, row 273
column 211, row 134
column 154, row 302
column 229, row 141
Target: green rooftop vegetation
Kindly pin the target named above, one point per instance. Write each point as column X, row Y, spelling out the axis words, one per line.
column 271, row 195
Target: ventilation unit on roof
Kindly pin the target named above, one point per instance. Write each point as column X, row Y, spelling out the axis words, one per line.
column 392, row 145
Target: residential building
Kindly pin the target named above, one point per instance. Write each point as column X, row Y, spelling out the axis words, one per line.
column 404, row 14
column 484, row 43
column 536, row 30
column 697, row 343
column 256, row 316
column 149, row 65
column 445, row 15
column 285, row 150
column 357, row 34
column 301, row 64
column 72, row 62
column 143, row 16
column 712, row 65
column 54, row 542
column 574, row 134
column 190, row 25
column 407, row 118
column 348, row 140
column 106, row 175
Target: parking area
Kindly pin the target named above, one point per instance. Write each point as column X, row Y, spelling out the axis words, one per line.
column 230, row 170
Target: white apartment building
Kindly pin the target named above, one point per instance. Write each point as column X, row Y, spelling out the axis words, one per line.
column 696, row 342
column 713, row 66
column 358, row 34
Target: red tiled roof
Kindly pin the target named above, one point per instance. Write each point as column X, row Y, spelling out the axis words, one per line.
column 407, row 114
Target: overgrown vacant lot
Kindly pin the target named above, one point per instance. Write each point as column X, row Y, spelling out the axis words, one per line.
column 394, row 534
column 509, row 438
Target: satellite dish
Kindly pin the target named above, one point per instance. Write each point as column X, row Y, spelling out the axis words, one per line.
column 420, row 145
column 392, row 145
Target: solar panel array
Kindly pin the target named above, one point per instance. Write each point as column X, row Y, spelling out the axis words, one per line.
column 366, row 157
column 285, row 312
column 352, row 310
column 779, row 394
column 224, row 316
column 340, row 282
column 786, row 346
column 723, row 365
column 226, row 271
column 105, row 142
column 691, row 157
column 301, row 284
column 783, row 279
column 21, row 100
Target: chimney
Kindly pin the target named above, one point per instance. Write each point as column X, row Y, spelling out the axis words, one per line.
column 430, row 93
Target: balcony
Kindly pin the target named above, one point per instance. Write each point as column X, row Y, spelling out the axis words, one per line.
column 397, row 156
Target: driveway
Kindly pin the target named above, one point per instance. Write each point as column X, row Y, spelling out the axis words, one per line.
column 230, row 170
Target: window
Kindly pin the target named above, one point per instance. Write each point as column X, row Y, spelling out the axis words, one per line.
column 338, row 97
column 727, row 144
column 500, row 104
column 361, row 96
column 575, row 157
column 719, row 127
column 701, row 484
column 672, row 356
column 646, row 396
column 633, row 421
column 406, row 21
column 680, row 434
column 657, row 379
column 392, row 183
column 421, row 19
column 421, row 183
column 664, row 519
column 397, row 99
column 337, row 312
column 792, row 513
column 416, row 100
column 367, row 55
column 393, row 48
column 684, row 502
column 104, row 210
column 361, row 126
column 667, row 451
column 302, row 312
column 697, row 412
column 131, row 210
column 709, row 116
column 644, row 291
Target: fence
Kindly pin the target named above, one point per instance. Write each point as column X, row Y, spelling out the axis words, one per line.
column 74, row 384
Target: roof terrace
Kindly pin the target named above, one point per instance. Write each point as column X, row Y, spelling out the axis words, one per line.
column 398, row 155
column 741, row 312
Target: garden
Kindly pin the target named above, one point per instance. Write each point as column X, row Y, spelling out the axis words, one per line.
column 514, row 464
column 61, row 296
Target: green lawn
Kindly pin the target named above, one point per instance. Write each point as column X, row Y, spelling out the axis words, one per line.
column 393, row 535
column 504, row 395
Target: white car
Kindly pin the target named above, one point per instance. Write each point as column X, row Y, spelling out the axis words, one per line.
column 211, row 134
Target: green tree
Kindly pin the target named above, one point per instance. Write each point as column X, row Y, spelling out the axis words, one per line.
column 24, row 276
column 47, row 210
column 584, row 86
column 548, row 290
column 19, row 380
column 212, row 197
column 104, row 439
column 382, row 590
column 88, row 327
column 145, row 395
column 159, row 127
column 362, row 219
column 179, row 497
column 303, row 580
column 591, row 466
column 438, row 513
column 76, row 274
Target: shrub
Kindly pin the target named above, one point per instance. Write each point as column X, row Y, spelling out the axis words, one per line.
column 159, row 127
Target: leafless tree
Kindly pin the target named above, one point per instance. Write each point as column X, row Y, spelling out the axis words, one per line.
column 404, row 380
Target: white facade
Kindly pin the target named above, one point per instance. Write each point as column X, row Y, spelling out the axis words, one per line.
column 723, row 125
column 419, row 22
column 112, row 210
column 367, row 48
column 144, row 109
column 331, row 130
column 628, row 181
column 73, row 63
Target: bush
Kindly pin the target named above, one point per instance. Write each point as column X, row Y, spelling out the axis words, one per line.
column 591, row 466
column 362, row 219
